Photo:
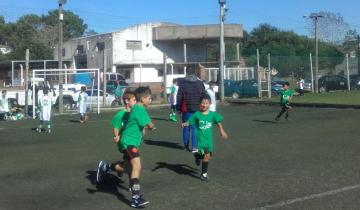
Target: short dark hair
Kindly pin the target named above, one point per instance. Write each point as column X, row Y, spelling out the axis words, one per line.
column 45, row 91
column 83, row 88
column 141, row 92
column 205, row 97
column 286, row 83
column 174, row 80
column 127, row 96
column 3, row 91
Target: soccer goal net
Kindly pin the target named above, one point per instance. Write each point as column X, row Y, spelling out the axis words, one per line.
column 72, row 80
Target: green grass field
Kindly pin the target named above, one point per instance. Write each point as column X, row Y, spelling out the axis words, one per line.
column 309, row 162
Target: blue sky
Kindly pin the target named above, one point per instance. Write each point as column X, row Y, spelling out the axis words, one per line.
column 110, row 15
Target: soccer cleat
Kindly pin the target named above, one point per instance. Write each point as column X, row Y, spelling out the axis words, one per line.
column 194, row 150
column 204, row 178
column 101, row 170
column 197, row 158
column 138, row 201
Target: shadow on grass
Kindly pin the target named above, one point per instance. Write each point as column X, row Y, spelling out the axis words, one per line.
column 109, row 184
column 265, row 121
column 163, row 144
column 74, row 121
column 159, row 119
column 181, row 169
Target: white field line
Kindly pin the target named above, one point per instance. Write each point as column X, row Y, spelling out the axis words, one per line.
column 309, row 197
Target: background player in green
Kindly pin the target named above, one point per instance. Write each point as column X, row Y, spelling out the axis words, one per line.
column 204, row 120
column 285, row 97
column 118, row 123
column 131, row 140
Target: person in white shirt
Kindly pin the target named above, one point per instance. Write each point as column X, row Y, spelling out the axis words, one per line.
column 44, row 104
column 301, row 84
column 173, row 94
column 211, row 92
column 4, row 106
column 81, row 104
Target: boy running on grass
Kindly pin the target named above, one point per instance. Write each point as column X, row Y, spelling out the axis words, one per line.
column 131, row 140
column 285, row 97
column 204, row 120
column 118, row 123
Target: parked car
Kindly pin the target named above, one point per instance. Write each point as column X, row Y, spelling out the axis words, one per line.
column 332, row 82
column 245, row 88
column 93, row 98
column 355, row 82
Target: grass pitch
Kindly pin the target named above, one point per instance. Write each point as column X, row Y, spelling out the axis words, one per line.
column 309, row 162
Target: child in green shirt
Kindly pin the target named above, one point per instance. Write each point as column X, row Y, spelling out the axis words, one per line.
column 204, row 120
column 131, row 140
column 118, row 123
column 285, row 97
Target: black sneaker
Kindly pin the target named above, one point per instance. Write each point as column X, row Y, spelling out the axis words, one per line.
column 277, row 119
column 197, row 158
column 138, row 201
column 103, row 167
column 204, row 178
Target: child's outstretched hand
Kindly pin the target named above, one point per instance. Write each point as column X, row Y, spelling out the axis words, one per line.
column 116, row 139
column 185, row 124
column 223, row 135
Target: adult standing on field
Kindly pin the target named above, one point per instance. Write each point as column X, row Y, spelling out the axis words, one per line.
column 191, row 89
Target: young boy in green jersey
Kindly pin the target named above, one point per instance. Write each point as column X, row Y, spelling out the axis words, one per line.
column 285, row 97
column 118, row 123
column 204, row 120
column 131, row 140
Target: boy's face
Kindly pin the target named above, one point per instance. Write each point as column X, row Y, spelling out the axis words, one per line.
column 286, row 87
column 131, row 102
column 204, row 105
column 146, row 100
column 4, row 93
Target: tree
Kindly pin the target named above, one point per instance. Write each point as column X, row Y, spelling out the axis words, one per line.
column 289, row 51
column 38, row 33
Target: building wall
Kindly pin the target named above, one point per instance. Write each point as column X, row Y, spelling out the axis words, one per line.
column 148, row 54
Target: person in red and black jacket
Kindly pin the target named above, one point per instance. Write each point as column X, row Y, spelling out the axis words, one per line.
column 190, row 91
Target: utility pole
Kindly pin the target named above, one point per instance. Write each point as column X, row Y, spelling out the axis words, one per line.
column 27, row 58
column 222, row 47
column 315, row 18
column 358, row 52
column 61, row 18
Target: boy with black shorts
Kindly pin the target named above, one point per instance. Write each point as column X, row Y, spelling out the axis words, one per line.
column 285, row 97
column 118, row 123
column 131, row 140
column 204, row 120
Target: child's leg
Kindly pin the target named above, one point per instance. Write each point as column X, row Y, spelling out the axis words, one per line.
column 283, row 109
column 186, row 130
column 40, row 127
column 205, row 165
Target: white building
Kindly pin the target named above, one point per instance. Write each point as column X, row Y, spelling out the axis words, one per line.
column 138, row 52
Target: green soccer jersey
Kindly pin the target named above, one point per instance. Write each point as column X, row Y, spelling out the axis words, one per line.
column 120, row 119
column 204, row 124
column 285, row 96
column 132, row 134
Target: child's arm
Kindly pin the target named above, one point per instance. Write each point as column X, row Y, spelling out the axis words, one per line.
column 185, row 124
column 116, row 135
column 223, row 133
column 150, row 126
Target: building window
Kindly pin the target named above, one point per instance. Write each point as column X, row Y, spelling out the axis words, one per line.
column 160, row 72
column 80, row 49
column 133, row 45
column 63, row 52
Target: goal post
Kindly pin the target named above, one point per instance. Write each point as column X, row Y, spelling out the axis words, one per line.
column 53, row 75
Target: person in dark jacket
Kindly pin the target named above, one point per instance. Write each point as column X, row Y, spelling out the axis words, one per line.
column 190, row 91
